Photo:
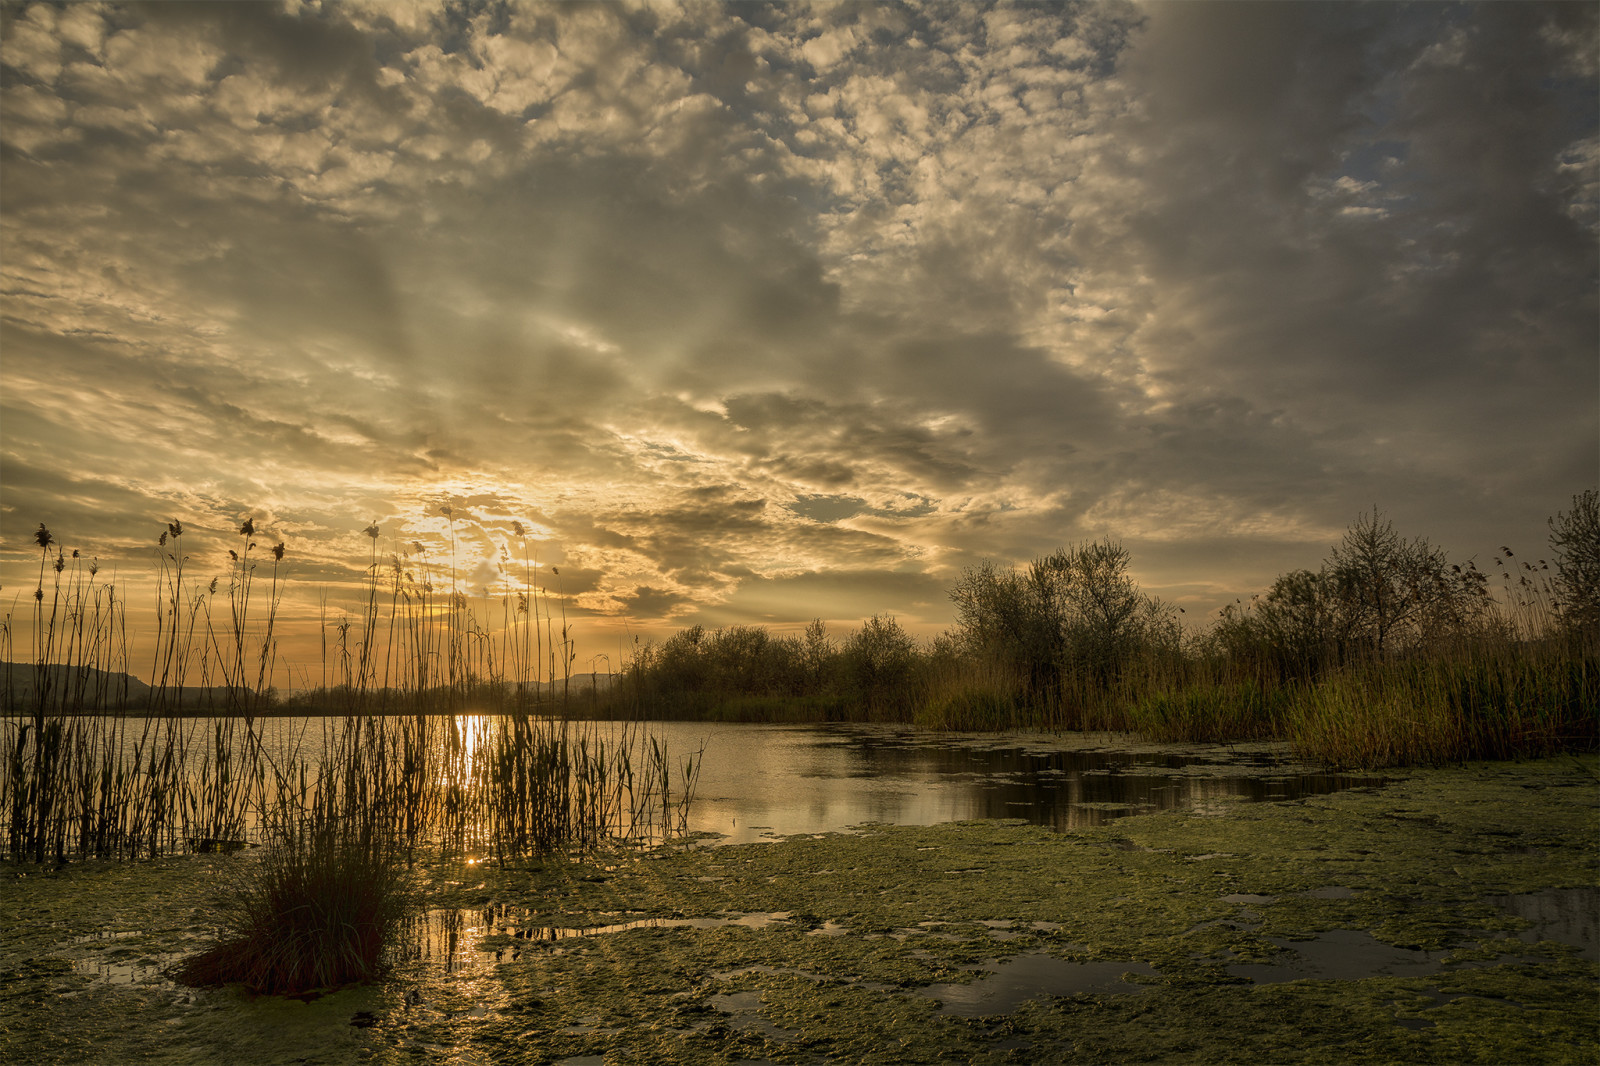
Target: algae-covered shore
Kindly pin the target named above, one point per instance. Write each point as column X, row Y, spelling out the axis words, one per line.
column 1375, row 925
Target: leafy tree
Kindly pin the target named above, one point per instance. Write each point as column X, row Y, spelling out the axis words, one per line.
column 1106, row 612
column 1291, row 631
column 817, row 655
column 1014, row 618
column 879, row 661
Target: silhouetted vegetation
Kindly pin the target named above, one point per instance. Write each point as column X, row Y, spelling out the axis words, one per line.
column 1387, row 654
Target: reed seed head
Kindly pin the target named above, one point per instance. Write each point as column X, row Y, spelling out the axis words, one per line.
column 277, row 552
column 372, row 531
column 248, row 529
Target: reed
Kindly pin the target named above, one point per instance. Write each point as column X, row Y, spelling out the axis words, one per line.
column 1247, row 710
column 1497, row 703
column 83, row 773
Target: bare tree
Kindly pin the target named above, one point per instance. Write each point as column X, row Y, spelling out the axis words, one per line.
column 1391, row 591
column 1575, row 542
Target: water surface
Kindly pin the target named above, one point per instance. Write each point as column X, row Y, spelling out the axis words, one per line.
column 759, row 782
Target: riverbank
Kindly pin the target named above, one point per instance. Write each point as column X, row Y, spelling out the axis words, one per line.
column 1371, row 925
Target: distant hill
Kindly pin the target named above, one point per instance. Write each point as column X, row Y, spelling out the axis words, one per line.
column 74, row 688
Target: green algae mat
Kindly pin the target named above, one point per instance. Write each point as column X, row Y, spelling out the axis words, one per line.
column 1446, row 917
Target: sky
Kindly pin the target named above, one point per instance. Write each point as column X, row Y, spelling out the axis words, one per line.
column 753, row 314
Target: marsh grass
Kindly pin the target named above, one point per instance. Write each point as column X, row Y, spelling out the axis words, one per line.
column 1245, row 710
column 88, row 771
column 1501, row 703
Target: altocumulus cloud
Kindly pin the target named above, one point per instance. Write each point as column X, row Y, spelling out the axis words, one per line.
column 767, row 312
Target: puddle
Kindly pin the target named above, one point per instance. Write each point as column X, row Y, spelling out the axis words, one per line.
column 132, row 970
column 501, row 933
column 1035, row 975
column 1568, row 916
column 1340, row 955
column 110, row 961
column 744, row 1010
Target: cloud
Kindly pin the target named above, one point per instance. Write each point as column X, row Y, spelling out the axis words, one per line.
column 747, row 306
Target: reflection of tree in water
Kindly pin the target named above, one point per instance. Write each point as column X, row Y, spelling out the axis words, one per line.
column 1065, row 789
column 1567, row 915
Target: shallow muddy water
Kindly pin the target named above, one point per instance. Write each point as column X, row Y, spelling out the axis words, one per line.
column 762, row 781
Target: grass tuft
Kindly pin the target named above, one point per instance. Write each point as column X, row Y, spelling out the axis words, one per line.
column 316, row 909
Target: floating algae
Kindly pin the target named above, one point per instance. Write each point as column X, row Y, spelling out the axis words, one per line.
column 856, row 945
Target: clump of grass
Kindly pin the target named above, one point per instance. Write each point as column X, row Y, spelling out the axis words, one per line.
column 316, row 908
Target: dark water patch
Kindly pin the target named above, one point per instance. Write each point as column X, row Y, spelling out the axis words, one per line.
column 1354, row 955
column 1009, row 983
column 1568, row 916
column 1340, row 955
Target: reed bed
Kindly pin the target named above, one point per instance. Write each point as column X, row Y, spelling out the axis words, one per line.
column 449, row 733
column 123, row 788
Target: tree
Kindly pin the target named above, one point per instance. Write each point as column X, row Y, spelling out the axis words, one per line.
column 817, row 655
column 1575, row 542
column 1015, row 619
column 1301, row 623
column 1075, row 612
column 1390, row 591
column 878, row 661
